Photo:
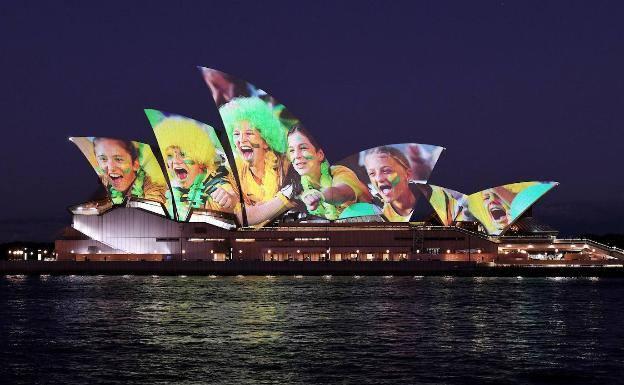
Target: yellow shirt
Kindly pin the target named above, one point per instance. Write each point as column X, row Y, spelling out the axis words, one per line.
column 393, row 216
column 253, row 191
column 153, row 191
column 229, row 187
column 344, row 175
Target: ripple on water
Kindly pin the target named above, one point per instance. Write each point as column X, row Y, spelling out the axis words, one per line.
column 317, row 330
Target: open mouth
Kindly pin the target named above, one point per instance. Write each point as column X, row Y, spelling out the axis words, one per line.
column 247, row 152
column 300, row 165
column 497, row 213
column 385, row 189
column 115, row 178
column 181, row 173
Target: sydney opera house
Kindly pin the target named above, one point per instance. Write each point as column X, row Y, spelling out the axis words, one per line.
column 265, row 189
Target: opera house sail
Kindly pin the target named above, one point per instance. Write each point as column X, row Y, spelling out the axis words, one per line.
column 266, row 187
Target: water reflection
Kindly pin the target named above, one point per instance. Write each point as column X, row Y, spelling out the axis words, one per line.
column 301, row 330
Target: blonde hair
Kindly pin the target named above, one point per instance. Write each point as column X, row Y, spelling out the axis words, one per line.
column 392, row 152
column 189, row 137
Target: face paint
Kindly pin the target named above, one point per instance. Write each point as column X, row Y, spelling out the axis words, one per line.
column 304, row 156
column 182, row 169
column 254, row 145
column 394, row 178
column 115, row 161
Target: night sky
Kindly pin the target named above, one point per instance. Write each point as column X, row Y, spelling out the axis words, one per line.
column 515, row 91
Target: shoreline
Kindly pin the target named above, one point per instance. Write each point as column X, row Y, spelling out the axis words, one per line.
column 377, row 268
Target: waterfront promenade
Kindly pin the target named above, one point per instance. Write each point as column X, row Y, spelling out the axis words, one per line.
column 404, row 268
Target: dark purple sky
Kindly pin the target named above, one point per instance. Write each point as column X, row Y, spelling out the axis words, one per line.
column 514, row 90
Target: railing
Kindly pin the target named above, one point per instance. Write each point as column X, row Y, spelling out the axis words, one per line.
column 512, row 237
column 376, row 226
column 334, row 227
column 594, row 243
column 459, row 229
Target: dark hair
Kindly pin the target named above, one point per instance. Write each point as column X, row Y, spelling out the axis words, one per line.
column 295, row 180
column 302, row 130
column 126, row 145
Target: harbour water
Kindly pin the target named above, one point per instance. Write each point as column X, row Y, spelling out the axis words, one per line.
column 305, row 330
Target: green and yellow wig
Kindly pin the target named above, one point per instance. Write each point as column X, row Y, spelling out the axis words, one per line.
column 260, row 116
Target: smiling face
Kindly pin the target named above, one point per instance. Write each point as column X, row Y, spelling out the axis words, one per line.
column 305, row 158
column 388, row 176
column 497, row 208
column 249, row 143
column 182, row 169
column 116, row 163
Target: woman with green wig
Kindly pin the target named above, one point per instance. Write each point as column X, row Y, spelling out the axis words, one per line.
column 128, row 169
column 258, row 140
column 198, row 178
column 327, row 191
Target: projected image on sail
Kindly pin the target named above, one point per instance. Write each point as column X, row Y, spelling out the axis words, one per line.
column 449, row 205
column 196, row 164
column 257, row 126
column 326, row 191
column 394, row 174
column 126, row 169
column 497, row 208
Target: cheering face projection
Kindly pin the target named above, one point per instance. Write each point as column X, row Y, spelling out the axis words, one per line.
column 498, row 207
column 249, row 143
column 389, row 175
column 393, row 173
column 257, row 126
column 497, row 202
column 196, row 164
column 420, row 159
column 258, row 141
column 181, row 168
column 327, row 190
column 304, row 156
column 117, row 161
column 127, row 169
